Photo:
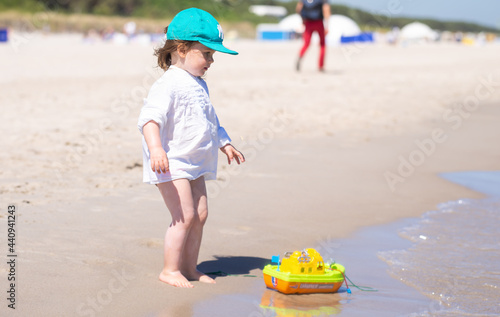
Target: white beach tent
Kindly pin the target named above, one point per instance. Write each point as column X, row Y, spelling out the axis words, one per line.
column 338, row 26
column 417, row 31
column 293, row 23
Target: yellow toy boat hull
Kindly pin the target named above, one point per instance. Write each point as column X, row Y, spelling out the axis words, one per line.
column 288, row 283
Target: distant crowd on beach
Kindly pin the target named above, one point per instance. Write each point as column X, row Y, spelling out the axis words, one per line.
column 130, row 34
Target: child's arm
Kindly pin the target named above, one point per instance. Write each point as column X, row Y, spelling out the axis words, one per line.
column 157, row 155
column 232, row 153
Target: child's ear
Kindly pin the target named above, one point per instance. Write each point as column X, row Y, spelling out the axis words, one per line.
column 182, row 50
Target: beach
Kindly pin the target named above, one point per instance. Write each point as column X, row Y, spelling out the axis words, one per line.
column 328, row 154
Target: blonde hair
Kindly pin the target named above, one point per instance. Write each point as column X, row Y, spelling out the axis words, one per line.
column 164, row 53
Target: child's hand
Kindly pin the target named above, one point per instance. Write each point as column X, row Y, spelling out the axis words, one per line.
column 232, row 154
column 159, row 160
column 157, row 155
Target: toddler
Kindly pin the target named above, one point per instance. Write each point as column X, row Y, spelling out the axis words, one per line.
column 181, row 138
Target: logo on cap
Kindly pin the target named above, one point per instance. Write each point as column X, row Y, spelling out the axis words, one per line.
column 221, row 34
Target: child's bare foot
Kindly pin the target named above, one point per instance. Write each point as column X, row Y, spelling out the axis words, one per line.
column 175, row 279
column 199, row 276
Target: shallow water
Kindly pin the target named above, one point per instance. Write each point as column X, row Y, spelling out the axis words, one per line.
column 445, row 263
column 455, row 257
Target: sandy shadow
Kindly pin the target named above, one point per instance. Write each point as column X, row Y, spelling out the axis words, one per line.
column 233, row 265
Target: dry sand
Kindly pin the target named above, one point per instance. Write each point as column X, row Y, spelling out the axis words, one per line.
column 319, row 147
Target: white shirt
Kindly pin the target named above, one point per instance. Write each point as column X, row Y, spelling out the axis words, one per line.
column 189, row 128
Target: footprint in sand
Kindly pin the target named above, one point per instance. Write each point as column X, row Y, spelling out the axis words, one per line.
column 151, row 243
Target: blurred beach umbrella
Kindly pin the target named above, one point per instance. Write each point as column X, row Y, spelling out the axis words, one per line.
column 417, row 31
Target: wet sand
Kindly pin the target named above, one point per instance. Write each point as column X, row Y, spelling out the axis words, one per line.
column 325, row 154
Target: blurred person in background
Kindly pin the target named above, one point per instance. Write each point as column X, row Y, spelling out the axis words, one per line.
column 315, row 15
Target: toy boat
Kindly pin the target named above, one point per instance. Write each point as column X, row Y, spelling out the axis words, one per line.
column 303, row 272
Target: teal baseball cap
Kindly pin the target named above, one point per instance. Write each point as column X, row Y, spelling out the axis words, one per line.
column 197, row 25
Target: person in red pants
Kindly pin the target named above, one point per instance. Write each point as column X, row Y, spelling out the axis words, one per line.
column 313, row 12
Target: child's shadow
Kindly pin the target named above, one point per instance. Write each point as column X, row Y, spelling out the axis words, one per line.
column 229, row 265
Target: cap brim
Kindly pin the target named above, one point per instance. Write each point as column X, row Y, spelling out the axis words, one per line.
column 218, row 47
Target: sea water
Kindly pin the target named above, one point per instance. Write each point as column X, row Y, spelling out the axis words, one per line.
column 455, row 254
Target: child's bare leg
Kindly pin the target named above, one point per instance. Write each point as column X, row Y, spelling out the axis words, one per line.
column 193, row 241
column 179, row 200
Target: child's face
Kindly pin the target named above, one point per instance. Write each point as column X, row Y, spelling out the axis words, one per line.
column 198, row 59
